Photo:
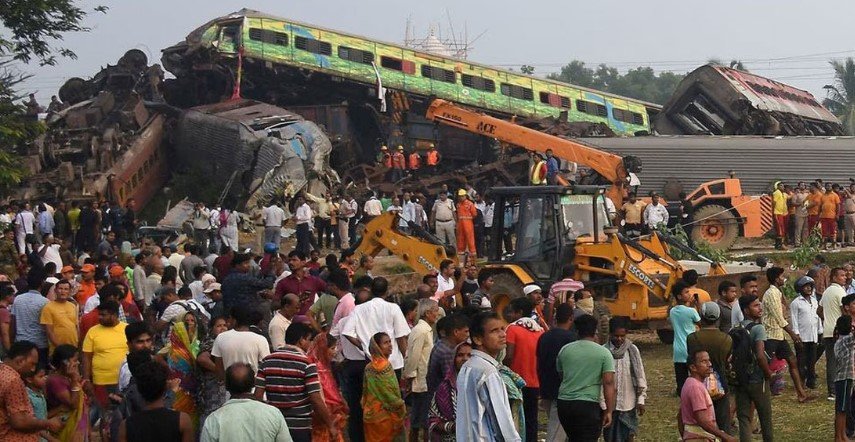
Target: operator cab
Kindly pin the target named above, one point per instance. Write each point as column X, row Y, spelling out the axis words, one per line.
column 537, row 227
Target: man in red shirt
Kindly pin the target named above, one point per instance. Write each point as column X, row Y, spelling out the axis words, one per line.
column 696, row 419
column 399, row 164
column 87, row 284
column 415, row 162
column 300, row 283
column 521, row 357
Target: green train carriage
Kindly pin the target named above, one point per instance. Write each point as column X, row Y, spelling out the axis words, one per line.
column 283, row 42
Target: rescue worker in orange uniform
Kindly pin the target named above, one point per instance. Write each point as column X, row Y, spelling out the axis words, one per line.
column 399, row 164
column 433, row 158
column 414, row 162
column 466, row 213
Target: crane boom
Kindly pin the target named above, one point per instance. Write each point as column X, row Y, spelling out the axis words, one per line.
column 609, row 166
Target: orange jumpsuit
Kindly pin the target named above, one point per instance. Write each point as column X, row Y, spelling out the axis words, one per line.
column 466, row 213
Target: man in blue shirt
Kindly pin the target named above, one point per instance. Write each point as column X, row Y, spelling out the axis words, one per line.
column 683, row 318
column 26, row 311
column 551, row 167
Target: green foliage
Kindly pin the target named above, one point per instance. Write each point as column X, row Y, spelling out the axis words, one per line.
column 803, row 255
column 16, row 130
column 35, row 26
column 841, row 94
column 641, row 83
column 526, row 69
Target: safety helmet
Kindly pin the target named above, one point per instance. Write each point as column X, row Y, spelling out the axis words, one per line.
column 461, row 192
column 384, row 148
column 803, row 281
column 271, row 248
column 400, row 147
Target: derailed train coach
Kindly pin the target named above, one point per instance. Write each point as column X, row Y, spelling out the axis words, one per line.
column 250, row 152
column 718, row 100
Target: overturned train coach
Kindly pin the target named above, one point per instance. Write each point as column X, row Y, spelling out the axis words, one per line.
column 250, row 152
column 717, row 100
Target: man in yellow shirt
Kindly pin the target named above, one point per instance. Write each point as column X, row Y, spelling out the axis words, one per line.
column 779, row 210
column 632, row 211
column 59, row 317
column 104, row 350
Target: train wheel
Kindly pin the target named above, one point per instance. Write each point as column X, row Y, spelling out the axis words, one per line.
column 506, row 286
column 718, row 227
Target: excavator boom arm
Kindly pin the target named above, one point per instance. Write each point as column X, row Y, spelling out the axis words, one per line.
column 609, row 166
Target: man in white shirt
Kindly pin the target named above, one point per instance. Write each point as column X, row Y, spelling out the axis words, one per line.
column 805, row 323
column 445, row 285
column 832, row 309
column 375, row 316
column 655, row 213
column 240, row 344
column 273, row 217
column 49, row 252
column 25, row 224
column 303, row 218
column 373, row 207
column 282, row 319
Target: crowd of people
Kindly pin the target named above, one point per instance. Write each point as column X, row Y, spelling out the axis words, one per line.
column 827, row 207
column 104, row 333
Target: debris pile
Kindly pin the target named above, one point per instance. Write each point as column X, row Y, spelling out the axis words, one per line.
column 252, row 152
column 92, row 140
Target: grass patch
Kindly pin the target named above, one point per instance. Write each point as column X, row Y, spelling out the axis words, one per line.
column 792, row 421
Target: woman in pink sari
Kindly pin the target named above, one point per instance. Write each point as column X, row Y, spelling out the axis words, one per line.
column 321, row 352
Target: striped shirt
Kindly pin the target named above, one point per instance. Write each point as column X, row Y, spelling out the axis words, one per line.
column 567, row 285
column 288, row 378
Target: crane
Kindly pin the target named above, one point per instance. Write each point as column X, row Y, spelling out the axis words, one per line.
column 610, row 167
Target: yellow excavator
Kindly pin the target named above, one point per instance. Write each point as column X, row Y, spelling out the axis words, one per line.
column 549, row 226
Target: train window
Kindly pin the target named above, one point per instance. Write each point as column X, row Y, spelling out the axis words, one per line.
column 268, row 36
column 554, row 100
column 313, row 46
column 514, row 91
column 627, row 116
column 480, row 83
column 355, row 55
column 440, row 74
column 396, row 64
column 589, row 107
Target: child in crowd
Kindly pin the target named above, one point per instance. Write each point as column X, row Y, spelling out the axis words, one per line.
column 36, row 382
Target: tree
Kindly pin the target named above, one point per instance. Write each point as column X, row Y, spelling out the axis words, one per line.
column 526, row 69
column 16, row 130
column 36, row 25
column 841, row 94
column 641, row 83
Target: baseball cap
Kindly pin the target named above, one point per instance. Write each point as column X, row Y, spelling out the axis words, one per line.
column 116, row 271
column 87, row 268
column 214, row 286
column 710, row 311
column 531, row 288
column 67, row 269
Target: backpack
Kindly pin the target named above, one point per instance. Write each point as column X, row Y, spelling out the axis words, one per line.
column 743, row 359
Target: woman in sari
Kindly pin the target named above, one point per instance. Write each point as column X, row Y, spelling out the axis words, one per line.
column 321, row 352
column 442, row 408
column 180, row 353
column 383, row 410
column 64, row 394
column 211, row 393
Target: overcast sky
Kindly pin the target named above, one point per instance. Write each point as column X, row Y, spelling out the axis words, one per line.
column 787, row 40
